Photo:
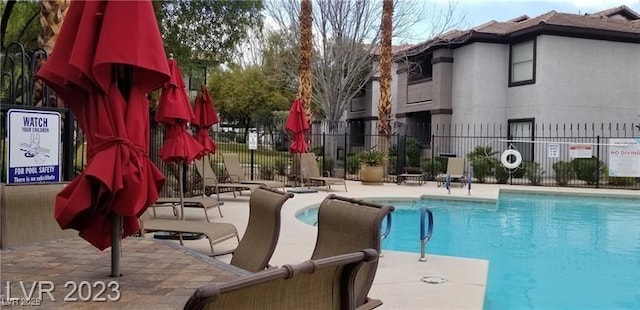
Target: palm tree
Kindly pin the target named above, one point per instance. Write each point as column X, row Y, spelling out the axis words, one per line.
column 306, row 52
column 52, row 13
column 384, row 104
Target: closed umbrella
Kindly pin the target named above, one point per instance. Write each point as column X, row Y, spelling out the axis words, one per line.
column 297, row 125
column 109, row 54
column 206, row 116
column 175, row 111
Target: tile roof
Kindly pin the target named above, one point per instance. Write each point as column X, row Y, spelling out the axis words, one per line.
column 607, row 21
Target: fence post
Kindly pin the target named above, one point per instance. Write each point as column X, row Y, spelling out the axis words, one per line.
column 68, row 146
column 324, row 140
column 598, row 162
column 344, row 175
column 433, row 155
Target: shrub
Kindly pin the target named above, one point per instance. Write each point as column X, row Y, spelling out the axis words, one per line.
column 564, row 172
column 392, row 164
column 429, row 163
column 622, row 181
column 353, row 164
column 267, row 171
column 502, row 174
column 318, row 151
column 533, row 172
column 281, row 166
column 240, row 138
column 372, row 158
column 586, row 169
column 328, row 164
column 413, row 152
column 483, row 167
column 482, row 152
column 393, row 150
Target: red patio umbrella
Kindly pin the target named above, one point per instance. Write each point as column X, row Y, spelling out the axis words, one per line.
column 109, row 54
column 205, row 117
column 119, row 177
column 175, row 111
column 297, row 124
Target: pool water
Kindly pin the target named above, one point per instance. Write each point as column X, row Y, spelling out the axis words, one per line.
column 545, row 251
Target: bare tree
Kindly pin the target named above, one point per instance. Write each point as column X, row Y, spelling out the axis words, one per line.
column 346, row 39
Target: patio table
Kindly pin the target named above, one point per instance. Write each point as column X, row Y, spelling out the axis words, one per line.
column 156, row 274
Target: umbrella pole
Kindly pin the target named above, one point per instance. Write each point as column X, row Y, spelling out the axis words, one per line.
column 180, row 191
column 207, row 161
column 116, row 224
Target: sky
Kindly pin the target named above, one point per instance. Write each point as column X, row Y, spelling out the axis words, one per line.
column 477, row 12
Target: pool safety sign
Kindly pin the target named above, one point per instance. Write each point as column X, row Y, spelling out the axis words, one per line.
column 34, row 146
column 580, row 150
column 624, row 158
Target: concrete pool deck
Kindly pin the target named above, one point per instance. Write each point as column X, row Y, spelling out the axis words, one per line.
column 397, row 281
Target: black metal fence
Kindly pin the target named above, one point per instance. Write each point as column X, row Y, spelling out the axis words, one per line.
column 548, row 151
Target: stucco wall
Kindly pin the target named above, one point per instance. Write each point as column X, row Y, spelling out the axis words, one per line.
column 577, row 80
column 479, row 91
column 587, row 80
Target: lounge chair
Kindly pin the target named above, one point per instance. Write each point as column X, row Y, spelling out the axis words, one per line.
column 235, row 172
column 414, row 173
column 311, row 172
column 326, row 283
column 191, row 202
column 455, row 169
column 214, row 231
column 345, row 225
column 210, row 180
column 261, row 236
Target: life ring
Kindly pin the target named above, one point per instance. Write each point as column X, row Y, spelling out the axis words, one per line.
column 504, row 159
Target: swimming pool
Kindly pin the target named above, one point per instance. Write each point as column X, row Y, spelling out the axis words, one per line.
column 545, row 251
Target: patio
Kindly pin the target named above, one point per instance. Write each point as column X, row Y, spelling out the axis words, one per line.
column 397, row 281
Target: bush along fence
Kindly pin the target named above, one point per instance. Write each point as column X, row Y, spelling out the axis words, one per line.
column 574, row 155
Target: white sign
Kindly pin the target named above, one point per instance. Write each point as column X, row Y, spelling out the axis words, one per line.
column 253, row 140
column 34, row 146
column 554, row 150
column 580, row 150
column 624, row 158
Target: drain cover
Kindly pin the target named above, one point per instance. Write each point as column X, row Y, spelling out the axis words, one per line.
column 433, row 280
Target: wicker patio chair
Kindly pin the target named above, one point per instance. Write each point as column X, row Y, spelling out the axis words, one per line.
column 345, row 225
column 235, row 172
column 263, row 230
column 210, row 180
column 311, row 172
column 322, row 284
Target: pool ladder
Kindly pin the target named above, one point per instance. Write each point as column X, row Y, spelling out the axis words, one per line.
column 425, row 236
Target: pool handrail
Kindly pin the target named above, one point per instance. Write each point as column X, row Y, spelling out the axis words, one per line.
column 425, row 236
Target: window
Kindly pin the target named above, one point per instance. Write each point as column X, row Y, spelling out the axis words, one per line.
column 356, row 132
column 420, row 68
column 522, row 130
column 522, row 67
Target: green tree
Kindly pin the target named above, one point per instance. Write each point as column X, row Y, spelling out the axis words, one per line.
column 206, row 29
column 246, row 97
column 23, row 25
